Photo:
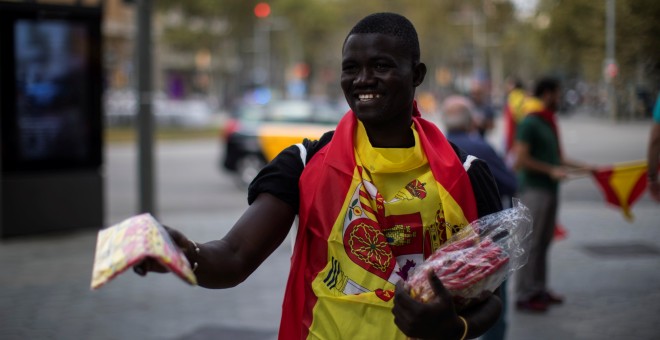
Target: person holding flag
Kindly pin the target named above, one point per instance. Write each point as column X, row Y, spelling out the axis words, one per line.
column 541, row 165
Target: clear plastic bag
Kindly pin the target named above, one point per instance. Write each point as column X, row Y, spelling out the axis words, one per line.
column 477, row 259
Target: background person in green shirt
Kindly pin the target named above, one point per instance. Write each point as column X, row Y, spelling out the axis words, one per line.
column 541, row 165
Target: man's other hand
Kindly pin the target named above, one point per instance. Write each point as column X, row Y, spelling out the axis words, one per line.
column 431, row 320
column 654, row 190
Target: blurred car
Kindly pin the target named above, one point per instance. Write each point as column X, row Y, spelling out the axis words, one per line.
column 121, row 109
column 257, row 133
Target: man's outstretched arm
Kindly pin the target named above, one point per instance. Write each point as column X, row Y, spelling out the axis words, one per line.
column 229, row 261
column 524, row 160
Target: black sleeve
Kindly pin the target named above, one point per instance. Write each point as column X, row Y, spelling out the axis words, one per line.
column 280, row 177
column 483, row 184
column 485, row 189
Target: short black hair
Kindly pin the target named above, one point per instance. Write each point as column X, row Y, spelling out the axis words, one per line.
column 545, row 85
column 391, row 24
column 516, row 82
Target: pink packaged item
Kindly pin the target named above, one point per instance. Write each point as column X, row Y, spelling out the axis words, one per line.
column 124, row 245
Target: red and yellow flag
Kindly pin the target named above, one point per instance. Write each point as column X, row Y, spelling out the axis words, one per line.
column 622, row 184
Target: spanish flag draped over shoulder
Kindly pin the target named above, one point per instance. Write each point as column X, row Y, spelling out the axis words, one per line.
column 349, row 253
column 622, row 184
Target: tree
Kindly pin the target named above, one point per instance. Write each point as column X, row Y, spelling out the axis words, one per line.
column 453, row 33
column 574, row 42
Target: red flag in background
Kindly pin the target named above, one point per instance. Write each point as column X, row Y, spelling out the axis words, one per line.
column 622, row 184
column 560, row 233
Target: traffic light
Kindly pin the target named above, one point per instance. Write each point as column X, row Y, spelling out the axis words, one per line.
column 262, row 10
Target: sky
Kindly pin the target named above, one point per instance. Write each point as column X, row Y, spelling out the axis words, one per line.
column 525, row 7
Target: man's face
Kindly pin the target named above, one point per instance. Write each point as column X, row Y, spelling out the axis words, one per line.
column 379, row 78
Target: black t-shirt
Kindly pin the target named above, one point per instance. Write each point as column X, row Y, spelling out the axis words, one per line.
column 281, row 176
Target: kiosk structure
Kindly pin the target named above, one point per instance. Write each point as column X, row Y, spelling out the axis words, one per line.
column 51, row 161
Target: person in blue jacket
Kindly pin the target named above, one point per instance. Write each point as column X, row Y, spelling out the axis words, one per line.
column 461, row 130
column 458, row 119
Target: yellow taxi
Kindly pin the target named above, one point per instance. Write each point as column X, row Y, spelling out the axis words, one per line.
column 257, row 133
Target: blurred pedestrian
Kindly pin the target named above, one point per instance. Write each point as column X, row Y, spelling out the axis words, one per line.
column 484, row 114
column 542, row 165
column 513, row 114
column 458, row 118
column 383, row 170
column 653, row 153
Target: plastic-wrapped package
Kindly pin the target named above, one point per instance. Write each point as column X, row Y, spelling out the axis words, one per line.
column 125, row 244
column 477, row 259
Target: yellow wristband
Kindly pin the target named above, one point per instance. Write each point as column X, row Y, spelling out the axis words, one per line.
column 466, row 327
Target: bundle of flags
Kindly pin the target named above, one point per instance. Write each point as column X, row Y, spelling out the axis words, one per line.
column 622, row 184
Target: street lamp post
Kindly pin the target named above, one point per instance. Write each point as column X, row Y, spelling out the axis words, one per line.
column 145, row 124
column 262, row 53
column 266, row 23
column 262, row 44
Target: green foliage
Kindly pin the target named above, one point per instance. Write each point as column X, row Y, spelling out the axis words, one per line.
column 237, row 14
column 318, row 24
column 570, row 44
column 574, row 43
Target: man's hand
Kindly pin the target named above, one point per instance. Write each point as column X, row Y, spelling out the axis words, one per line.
column 558, row 173
column 432, row 320
column 654, row 190
column 151, row 265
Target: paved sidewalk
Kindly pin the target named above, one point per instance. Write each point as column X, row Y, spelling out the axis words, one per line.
column 45, row 287
column 608, row 271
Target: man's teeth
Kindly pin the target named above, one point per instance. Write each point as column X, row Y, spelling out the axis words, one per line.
column 368, row 96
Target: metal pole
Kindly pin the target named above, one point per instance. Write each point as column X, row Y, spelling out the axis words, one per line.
column 496, row 67
column 267, row 54
column 610, row 58
column 611, row 22
column 262, row 52
column 480, row 42
column 145, row 125
column 476, row 56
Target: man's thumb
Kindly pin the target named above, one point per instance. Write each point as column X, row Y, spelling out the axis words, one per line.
column 438, row 288
column 177, row 237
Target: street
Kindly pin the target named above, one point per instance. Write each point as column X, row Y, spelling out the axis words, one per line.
column 189, row 180
column 45, row 279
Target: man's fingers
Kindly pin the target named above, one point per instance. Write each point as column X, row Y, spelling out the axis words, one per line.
column 140, row 269
column 178, row 237
column 438, row 288
column 405, row 310
column 403, row 298
column 149, row 265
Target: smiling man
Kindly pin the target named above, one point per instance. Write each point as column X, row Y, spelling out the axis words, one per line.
column 375, row 198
